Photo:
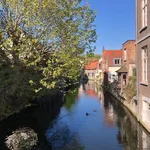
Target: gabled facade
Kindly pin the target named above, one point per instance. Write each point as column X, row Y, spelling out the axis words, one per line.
column 92, row 69
column 143, row 60
column 128, row 62
column 98, row 75
column 111, row 62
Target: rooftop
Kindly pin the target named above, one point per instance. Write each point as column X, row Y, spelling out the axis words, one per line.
column 128, row 41
column 109, row 55
column 92, row 65
column 123, row 69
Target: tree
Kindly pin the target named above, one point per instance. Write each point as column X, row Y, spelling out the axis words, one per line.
column 42, row 41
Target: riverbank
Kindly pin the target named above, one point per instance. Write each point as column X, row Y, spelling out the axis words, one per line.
column 131, row 106
column 13, row 109
column 37, row 118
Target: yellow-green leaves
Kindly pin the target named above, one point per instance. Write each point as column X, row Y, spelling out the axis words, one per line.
column 31, row 82
column 37, row 90
column 44, row 40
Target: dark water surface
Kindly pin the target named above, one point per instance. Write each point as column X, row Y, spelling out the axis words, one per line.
column 88, row 120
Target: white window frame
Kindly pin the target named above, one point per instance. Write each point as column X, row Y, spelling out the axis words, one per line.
column 117, row 59
column 144, row 13
column 125, row 54
column 145, row 64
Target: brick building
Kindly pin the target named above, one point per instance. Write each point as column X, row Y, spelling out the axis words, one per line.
column 128, row 62
column 143, row 60
column 111, row 62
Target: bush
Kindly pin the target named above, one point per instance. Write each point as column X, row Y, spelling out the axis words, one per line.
column 22, row 139
column 130, row 89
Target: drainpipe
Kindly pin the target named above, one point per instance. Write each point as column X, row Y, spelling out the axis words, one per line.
column 137, row 71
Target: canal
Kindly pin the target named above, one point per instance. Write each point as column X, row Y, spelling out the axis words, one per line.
column 88, row 119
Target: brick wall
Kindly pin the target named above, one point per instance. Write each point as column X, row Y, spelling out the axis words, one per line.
column 129, row 47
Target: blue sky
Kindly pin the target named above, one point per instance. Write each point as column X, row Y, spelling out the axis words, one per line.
column 115, row 22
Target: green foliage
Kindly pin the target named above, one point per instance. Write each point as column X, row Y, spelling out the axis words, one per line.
column 130, row 89
column 90, row 57
column 134, row 72
column 41, row 45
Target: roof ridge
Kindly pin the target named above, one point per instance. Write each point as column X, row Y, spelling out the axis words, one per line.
column 113, row 49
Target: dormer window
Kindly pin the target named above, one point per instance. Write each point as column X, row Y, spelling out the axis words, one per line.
column 117, row 61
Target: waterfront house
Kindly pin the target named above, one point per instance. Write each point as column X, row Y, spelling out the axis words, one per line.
column 92, row 69
column 143, row 60
column 111, row 62
column 98, row 75
column 128, row 63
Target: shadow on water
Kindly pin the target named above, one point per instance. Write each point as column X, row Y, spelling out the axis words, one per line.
column 62, row 138
column 65, row 126
column 37, row 117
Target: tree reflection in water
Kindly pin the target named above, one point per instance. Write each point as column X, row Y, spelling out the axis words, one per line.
column 37, row 118
column 70, row 99
column 62, row 138
column 67, row 127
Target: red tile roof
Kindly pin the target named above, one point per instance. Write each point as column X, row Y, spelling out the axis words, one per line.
column 91, row 66
column 109, row 55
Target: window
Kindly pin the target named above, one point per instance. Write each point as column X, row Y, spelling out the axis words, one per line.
column 100, row 66
column 144, row 63
column 124, row 78
column 125, row 55
column 92, row 74
column 144, row 13
column 117, row 61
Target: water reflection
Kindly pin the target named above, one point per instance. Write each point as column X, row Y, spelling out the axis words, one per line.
column 37, row 118
column 92, row 90
column 109, row 126
column 130, row 133
column 70, row 99
column 62, row 138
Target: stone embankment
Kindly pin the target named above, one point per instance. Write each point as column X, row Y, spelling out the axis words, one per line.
column 131, row 105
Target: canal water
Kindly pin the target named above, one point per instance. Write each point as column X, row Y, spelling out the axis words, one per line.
column 88, row 119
